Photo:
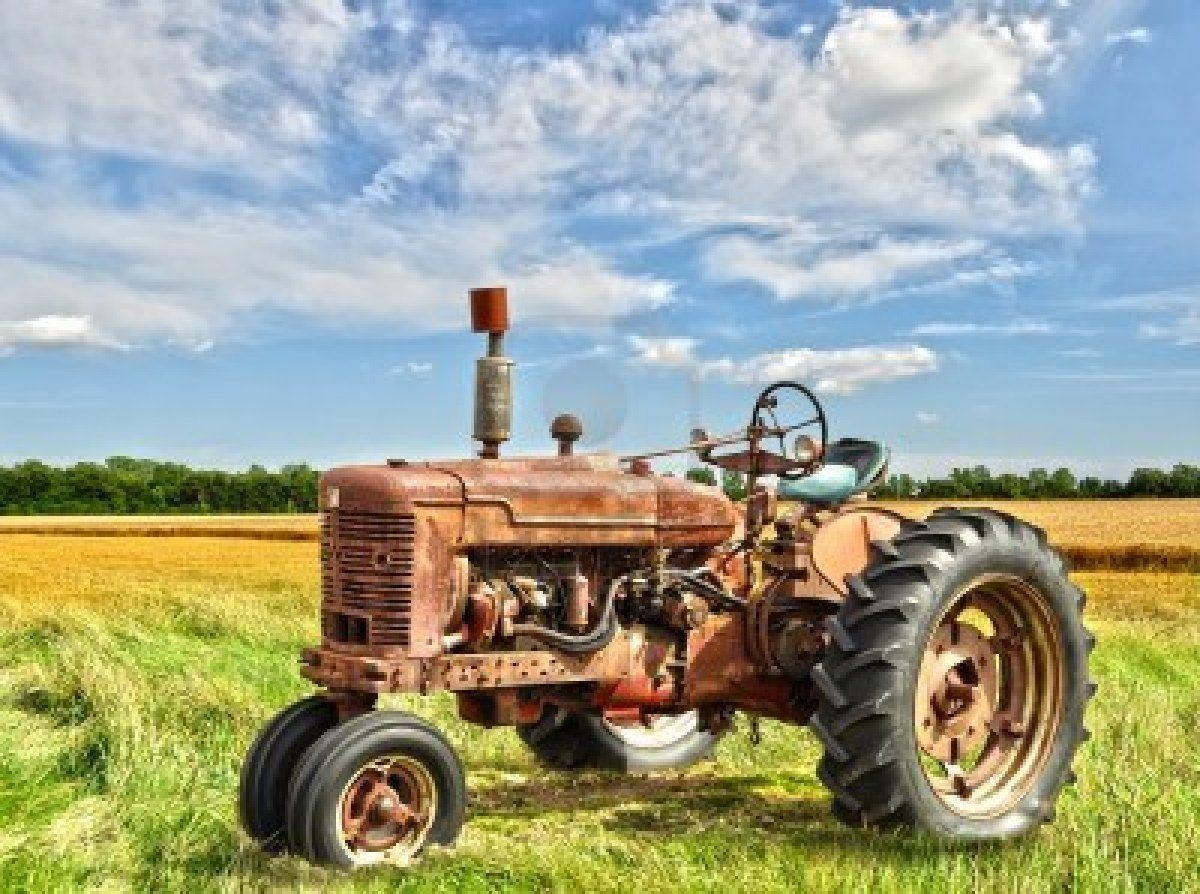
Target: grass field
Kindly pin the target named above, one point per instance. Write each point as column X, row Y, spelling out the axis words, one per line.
column 134, row 671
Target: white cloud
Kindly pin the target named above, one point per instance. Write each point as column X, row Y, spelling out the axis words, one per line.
column 411, row 368
column 927, row 417
column 1149, row 301
column 54, row 331
column 692, row 120
column 898, row 117
column 793, row 268
column 841, row 371
column 941, row 328
column 1081, row 354
column 668, row 352
column 1183, row 331
column 1129, row 36
column 185, row 80
column 186, row 275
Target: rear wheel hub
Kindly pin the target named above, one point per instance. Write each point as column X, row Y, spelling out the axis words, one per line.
column 989, row 697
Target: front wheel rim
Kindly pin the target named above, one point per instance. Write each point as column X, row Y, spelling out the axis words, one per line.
column 387, row 810
column 989, row 696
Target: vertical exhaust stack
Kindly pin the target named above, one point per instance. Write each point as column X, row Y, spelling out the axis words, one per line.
column 493, row 372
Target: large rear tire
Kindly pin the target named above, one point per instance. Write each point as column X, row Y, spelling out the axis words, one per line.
column 569, row 740
column 952, row 696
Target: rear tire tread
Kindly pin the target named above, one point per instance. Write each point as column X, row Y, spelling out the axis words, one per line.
column 872, row 650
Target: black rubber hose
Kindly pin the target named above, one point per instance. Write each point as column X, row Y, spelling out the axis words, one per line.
column 594, row 640
column 709, row 591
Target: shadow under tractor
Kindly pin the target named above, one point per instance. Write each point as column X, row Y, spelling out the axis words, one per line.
column 620, row 619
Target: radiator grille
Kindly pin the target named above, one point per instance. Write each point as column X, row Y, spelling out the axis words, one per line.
column 367, row 577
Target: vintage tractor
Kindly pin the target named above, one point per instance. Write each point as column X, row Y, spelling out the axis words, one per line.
column 621, row 619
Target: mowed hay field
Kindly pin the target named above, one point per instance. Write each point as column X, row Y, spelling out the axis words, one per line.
column 134, row 671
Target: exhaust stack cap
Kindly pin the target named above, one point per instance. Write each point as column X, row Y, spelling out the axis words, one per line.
column 489, row 310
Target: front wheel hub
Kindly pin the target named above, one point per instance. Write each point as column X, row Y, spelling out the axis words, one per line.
column 387, row 810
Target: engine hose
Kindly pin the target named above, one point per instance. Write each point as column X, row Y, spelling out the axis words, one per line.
column 708, row 591
column 595, row 639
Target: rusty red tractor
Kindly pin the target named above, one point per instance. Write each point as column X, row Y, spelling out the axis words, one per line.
column 620, row 619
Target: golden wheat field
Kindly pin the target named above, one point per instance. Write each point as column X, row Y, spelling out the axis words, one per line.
column 134, row 671
column 1097, row 523
column 1083, row 523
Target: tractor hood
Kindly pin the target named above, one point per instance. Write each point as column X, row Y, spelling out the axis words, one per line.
column 582, row 500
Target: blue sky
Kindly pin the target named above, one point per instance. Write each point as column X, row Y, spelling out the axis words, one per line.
column 243, row 231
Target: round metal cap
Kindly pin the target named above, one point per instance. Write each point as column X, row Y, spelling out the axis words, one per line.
column 566, row 428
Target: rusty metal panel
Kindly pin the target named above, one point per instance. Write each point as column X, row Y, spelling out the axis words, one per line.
column 693, row 515
column 467, row 672
column 842, row 545
column 385, row 566
column 500, row 669
column 550, row 501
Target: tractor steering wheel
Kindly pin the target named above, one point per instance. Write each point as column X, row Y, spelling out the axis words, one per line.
column 765, row 419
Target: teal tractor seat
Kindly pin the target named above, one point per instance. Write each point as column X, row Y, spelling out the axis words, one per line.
column 850, row 467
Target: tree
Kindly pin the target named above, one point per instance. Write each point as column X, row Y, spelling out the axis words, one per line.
column 702, row 475
column 734, row 485
column 1061, row 484
column 1148, row 483
column 1185, row 481
column 1010, row 486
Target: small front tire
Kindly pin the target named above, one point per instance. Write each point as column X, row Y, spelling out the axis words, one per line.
column 270, row 762
column 376, row 790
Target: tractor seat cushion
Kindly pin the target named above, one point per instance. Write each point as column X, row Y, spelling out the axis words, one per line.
column 851, row 466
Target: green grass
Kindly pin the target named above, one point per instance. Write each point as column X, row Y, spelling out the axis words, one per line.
column 121, row 735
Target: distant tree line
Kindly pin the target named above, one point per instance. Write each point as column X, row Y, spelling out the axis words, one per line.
column 1038, row 484
column 121, row 485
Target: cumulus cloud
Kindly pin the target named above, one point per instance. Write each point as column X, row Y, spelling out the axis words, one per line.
column 905, row 117
column 842, row 371
column 54, row 331
column 666, row 352
column 186, row 274
column 187, row 80
column 793, row 268
column 884, row 152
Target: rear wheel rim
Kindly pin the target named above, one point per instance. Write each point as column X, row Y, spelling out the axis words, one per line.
column 657, row 731
column 989, row 696
column 386, row 810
